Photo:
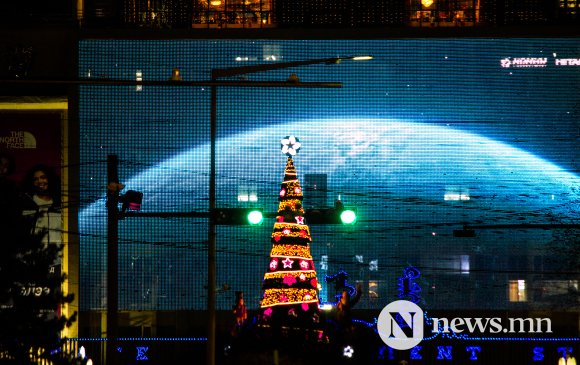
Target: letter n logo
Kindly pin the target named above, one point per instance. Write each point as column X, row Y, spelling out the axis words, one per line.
column 400, row 325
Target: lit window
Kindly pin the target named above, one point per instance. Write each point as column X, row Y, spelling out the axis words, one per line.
column 247, row 194
column 271, row 52
column 373, row 290
column 517, row 291
column 324, row 262
column 139, row 77
column 456, row 194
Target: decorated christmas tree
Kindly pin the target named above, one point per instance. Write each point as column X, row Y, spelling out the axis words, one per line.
column 290, row 287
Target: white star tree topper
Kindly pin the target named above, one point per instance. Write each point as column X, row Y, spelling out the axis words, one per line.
column 290, row 146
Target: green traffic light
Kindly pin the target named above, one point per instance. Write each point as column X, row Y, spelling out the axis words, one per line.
column 348, row 216
column 255, row 217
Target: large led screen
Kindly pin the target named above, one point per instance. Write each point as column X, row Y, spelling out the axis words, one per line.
column 460, row 155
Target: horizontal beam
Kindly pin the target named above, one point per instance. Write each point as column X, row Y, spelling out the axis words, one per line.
column 111, row 82
column 234, row 71
column 164, row 214
column 311, row 218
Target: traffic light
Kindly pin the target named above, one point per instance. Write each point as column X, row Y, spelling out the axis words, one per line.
column 348, row 216
column 255, row 217
column 344, row 215
column 131, row 200
column 238, row 216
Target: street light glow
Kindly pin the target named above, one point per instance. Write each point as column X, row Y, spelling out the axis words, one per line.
column 361, row 58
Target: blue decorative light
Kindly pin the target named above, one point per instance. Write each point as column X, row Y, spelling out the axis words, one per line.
column 203, row 339
column 142, row 353
column 538, row 354
column 564, row 351
column 382, row 350
column 415, row 355
column 82, row 339
column 408, row 288
column 382, row 353
column 524, row 339
column 451, row 335
column 368, row 324
column 391, row 354
column 444, row 352
column 340, row 283
column 473, row 350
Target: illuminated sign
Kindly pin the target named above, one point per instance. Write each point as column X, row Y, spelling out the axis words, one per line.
column 18, row 139
column 408, row 288
column 523, row 62
column 472, row 352
column 536, row 62
column 567, row 62
column 142, row 353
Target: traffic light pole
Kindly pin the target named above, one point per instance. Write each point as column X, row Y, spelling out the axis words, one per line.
column 112, row 257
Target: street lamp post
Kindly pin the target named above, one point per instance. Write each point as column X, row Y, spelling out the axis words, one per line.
column 215, row 75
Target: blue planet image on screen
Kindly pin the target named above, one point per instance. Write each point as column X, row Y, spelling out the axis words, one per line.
column 412, row 183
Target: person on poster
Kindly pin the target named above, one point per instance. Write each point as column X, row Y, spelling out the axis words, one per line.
column 41, row 204
column 41, row 212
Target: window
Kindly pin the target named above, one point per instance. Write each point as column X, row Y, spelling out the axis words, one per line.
column 232, row 13
column 517, row 291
